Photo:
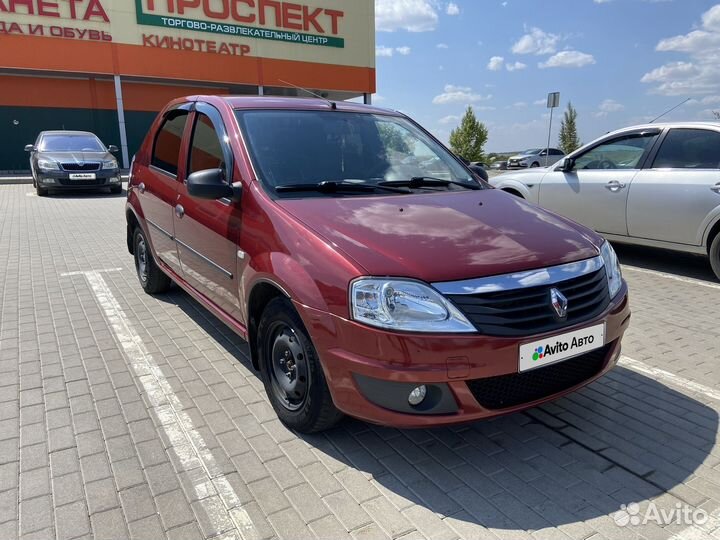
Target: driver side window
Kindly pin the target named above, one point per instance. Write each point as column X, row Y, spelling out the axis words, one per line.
column 621, row 153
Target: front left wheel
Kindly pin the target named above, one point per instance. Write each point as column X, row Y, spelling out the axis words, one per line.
column 152, row 279
column 291, row 371
column 116, row 190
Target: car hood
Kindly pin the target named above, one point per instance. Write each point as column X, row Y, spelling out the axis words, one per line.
column 76, row 157
column 445, row 236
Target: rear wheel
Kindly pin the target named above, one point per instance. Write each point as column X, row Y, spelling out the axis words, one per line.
column 152, row 279
column 714, row 254
column 291, row 371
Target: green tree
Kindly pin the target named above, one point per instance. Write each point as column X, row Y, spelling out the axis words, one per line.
column 469, row 139
column 568, row 139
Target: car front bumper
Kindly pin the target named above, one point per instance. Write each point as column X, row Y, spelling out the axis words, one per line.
column 60, row 180
column 370, row 372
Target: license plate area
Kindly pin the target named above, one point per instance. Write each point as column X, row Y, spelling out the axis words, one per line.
column 561, row 347
column 82, row 176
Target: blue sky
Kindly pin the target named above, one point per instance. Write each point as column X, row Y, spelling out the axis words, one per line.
column 620, row 62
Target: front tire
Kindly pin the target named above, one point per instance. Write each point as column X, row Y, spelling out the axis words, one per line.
column 291, row 371
column 41, row 191
column 714, row 254
column 115, row 190
column 152, row 279
column 535, row 164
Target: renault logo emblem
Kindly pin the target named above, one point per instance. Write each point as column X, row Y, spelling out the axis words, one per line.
column 559, row 303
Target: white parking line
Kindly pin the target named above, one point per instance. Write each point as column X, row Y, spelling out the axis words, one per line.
column 217, row 496
column 665, row 275
column 666, row 376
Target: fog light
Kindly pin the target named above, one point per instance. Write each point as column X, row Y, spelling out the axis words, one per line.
column 114, row 180
column 417, row 395
column 48, row 180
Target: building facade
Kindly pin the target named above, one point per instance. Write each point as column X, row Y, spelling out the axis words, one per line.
column 109, row 66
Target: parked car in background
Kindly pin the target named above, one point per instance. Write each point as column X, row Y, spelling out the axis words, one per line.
column 535, row 157
column 654, row 185
column 498, row 166
column 67, row 160
column 371, row 278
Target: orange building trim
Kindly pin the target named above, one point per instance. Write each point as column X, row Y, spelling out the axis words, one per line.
column 67, row 55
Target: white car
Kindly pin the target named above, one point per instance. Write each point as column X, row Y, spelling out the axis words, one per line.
column 535, row 157
column 655, row 185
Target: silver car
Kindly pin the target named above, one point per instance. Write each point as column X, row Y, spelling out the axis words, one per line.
column 654, row 185
column 535, row 157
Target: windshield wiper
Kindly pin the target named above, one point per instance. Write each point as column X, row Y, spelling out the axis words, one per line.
column 428, row 181
column 335, row 187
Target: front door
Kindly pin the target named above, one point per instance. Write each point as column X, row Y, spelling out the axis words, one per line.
column 207, row 232
column 670, row 201
column 595, row 192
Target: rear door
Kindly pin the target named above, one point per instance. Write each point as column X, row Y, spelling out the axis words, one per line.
column 670, row 200
column 207, row 232
column 595, row 192
column 158, row 184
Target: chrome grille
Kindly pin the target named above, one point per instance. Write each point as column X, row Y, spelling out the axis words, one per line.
column 519, row 305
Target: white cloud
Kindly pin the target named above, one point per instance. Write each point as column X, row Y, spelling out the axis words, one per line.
column 700, row 72
column 453, row 9
column 483, row 108
column 536, row 41
column 410, row 15
column 381, row 50
column 540, row 102
column 442, row 46
column 451, row 119
column 608, row 106
column 496, row 63
column 568, row 59
column 516, row 66
column 459, row 94
column 520, row 105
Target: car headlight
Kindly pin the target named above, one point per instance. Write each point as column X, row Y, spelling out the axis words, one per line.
column 405, row 305
column 48, row 165
column 110, row 164
column 612, row 269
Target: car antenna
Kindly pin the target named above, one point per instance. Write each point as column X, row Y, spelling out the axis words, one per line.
column 332, row 104
column 669, row 110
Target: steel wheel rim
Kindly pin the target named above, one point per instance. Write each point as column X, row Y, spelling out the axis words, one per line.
column 142, row 259
column 288, row 367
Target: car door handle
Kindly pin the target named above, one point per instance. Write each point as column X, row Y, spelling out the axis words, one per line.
column 716, row 188
column 141, row 187
column 614, row 186
column 179, row 211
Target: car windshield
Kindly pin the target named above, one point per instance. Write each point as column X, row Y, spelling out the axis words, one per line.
column 71, row 143
column 531, row 152
column 290, row 148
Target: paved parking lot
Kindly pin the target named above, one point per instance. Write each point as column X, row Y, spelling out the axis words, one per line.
column 123, row 415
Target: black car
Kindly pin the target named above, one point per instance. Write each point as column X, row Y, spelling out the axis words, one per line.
column 65, row 160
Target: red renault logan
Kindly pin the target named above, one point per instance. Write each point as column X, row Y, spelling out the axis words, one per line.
column 370, row 271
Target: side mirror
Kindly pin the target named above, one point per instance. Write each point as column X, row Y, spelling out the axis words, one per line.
column 211, row 184
column 113, row 149
column 29, row 147
column 566, row 165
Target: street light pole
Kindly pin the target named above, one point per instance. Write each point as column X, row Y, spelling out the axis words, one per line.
column 553, row 101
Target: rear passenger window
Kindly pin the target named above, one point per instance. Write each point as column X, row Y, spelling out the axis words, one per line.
column 166, row 150
column 206, row 151
column 689, row 149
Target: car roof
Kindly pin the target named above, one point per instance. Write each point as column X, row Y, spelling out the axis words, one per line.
column 294, row 103
column 67, row 132
column 664, row 125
